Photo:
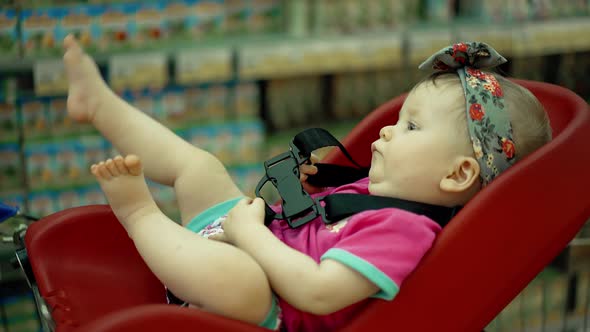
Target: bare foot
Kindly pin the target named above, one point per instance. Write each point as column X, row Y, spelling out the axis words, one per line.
column 123, row 183
column 86, row 87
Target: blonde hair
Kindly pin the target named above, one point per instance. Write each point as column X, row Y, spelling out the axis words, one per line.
column 530, row 124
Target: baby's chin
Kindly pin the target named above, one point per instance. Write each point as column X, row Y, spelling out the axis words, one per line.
column 381, row 188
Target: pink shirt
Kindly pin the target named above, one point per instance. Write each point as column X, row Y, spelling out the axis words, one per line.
column 383, row 245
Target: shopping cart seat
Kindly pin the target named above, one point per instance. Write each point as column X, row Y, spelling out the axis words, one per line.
column 87, row 268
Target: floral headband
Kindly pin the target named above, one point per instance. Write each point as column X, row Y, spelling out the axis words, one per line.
column 487, row 119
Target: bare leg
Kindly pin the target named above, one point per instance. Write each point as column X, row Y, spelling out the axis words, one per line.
column 213, row 275
column 168, row 159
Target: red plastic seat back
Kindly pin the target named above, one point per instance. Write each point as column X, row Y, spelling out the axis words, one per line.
column 86, row 266
column 503, row 238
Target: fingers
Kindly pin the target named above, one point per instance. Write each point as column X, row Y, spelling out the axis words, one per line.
column 245, row 201
column 308, row 169
column 303, row 177
column 219, row 237
column 257, row 201
column 313, row 170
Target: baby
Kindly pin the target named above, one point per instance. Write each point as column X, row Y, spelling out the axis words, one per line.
column 456, row 132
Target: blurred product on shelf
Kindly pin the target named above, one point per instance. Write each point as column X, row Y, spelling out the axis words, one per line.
column 521, row 10
column 234, row 143
column 438, row 12
column 390, row 83
column 19, row 311
column 221, row 117
column 9, row 44
column 212, row 64
column 44, row 202
column 295, row 102
column 351, row 16
column 138, row 70
column 46, row 117
column 246, row 101
column 529, row 68
column 8, row 122
column 353, row 95
column 130, row 25
column 495, row 11
column 11, row 170
column 573, row 73
column 266, row 16
column 62, row 163
column 10, row 167
column 8, row 116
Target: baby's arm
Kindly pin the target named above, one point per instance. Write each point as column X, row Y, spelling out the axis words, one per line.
column 315, row 288
column 320, row 289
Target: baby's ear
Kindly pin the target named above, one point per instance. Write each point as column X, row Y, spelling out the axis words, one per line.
column 463, row 174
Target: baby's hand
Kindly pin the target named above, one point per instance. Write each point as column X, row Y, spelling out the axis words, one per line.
column 219, row 237
column 247, row 212
column 305, row 171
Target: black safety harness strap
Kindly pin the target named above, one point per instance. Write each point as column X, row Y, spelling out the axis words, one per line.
column 312, row 139
column 340, row 206
column 298, row 207
column 329, row 175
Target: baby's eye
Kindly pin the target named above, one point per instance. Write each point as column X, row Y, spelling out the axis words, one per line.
column 412, row 126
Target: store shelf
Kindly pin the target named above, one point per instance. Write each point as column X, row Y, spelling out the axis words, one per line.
column 295, row 57
column 282, row 56
column 552, row 37
column 423, row 42
column 292, row 57
column 501, row 37
column 579, row 257
column 15, row 65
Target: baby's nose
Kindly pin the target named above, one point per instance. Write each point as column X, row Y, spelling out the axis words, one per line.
column 385, row 133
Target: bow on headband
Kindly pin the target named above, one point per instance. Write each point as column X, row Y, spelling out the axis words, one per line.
column 487, row 119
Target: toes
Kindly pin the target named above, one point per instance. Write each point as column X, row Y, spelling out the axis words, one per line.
column 120, row 164
column 71, row 43
column 68, row 40
column 133, row 164
column 94, row 170
column 99, row 170
column 116, row 167
column 112, row 168
column 73, row 51
column 103, row 171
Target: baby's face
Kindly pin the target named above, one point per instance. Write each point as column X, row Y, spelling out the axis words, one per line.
column 412, row 157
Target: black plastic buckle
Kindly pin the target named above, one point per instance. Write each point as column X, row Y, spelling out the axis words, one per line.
column 282, row 171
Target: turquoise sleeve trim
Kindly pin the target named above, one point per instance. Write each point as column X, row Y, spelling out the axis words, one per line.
column 388, row 287
column 211, row 214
